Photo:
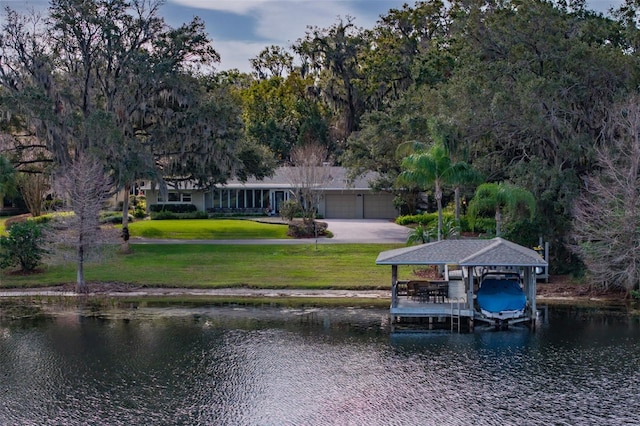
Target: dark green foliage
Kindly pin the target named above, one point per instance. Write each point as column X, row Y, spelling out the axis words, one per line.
column 422, row 234
column 22, row 246
column 482, row 225
column 173, row 208
column 169, row 215
column 422, row 219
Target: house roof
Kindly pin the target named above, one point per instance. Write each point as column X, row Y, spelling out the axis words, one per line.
column 464, row 252
column 338, row 180
column 281, row 179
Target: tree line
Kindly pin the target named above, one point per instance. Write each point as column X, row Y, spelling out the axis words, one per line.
column 531, row 94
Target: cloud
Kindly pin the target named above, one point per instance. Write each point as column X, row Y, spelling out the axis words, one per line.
column 233, row 6
column 248, row 6
column 285, row 20
column 276, row 22
column 236, row 54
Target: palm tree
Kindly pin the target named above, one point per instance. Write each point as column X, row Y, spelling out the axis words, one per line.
column 501, row 197
column 420, row 235
column 434, row 167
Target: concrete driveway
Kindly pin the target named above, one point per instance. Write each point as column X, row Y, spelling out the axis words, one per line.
column 365, row 231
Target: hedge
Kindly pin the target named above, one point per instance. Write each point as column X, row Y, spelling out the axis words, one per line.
column 173, row 208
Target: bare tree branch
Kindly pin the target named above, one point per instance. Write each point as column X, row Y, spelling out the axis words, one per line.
column 606, row 216
column 85, row 187
column 308, row 177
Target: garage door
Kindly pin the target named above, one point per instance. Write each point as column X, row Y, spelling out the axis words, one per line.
column 379, row 206
column 340, row 206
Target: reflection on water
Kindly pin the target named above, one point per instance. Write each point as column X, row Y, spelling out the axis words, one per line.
column 228, row 366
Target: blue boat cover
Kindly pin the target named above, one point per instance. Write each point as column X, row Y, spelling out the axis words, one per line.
column 495, row 295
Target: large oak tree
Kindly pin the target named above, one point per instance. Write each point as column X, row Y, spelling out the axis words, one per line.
column 112, row 78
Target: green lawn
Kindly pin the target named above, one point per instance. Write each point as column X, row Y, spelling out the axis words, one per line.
column 207, row 229
column 211, row 266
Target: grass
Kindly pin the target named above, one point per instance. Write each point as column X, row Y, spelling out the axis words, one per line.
column 327, row 266
column 207, row 229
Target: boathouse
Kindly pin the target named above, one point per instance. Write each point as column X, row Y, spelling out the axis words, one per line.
column 449, row 297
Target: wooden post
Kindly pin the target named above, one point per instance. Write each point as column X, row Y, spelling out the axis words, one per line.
column 394, row 285
column 530, row 279
column 469, row 285
column 534, row 308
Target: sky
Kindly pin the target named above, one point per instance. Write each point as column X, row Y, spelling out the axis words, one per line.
column 241, row 29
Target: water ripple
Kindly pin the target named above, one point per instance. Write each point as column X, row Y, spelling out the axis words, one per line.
column 248, row 368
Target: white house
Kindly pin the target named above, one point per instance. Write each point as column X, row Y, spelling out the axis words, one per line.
column 341, row 198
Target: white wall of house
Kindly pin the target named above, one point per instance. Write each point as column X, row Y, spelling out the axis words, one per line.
column 344, row 204
column 186, row 196
column 337, row 202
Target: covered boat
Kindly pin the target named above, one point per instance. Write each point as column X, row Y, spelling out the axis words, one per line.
column 501, row 296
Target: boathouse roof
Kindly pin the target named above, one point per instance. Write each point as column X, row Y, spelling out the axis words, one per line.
column 463, row 252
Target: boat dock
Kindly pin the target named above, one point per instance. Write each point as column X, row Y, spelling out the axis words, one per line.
column 450, row 300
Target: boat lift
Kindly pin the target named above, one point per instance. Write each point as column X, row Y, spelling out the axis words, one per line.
column 468, row 255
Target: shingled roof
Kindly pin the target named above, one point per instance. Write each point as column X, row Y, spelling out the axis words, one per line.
column 466, row 252
column 338, row 179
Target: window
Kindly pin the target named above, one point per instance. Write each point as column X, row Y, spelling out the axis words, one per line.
column 226, row 197
column 176, row 197
column 241, row 195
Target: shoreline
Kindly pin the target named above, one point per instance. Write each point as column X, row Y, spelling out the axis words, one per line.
column 560, row 291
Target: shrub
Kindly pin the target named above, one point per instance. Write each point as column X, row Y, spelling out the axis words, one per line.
column 464, row 224
column 301, row 229
column 167, row 215
column 484, row 225
column 422, row 234
column 173, row 208
column 163, row 215
column 199, row 215
column 22, row 246
column 138, row 206
column 113, row 217
column 425, row 219
column 290, row 209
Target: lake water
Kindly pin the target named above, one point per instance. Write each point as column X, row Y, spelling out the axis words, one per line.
column 272, row 366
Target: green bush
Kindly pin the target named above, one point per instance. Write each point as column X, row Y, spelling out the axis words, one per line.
column 289, row 209
column 113, row 217
column 483, row 225
column 425, row 219
column 173, row 208
column 22, row 246
column 167, row 215
column 163, row 215
column 464, row 224
column 138, row 206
